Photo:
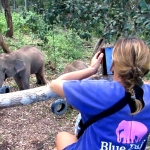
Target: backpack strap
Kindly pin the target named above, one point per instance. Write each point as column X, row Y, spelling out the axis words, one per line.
column 113, row 109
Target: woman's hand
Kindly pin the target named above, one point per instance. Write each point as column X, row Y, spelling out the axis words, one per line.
column 57, row 84
column 97, row 60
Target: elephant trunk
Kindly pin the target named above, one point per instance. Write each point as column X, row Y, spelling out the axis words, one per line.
column 118, row 135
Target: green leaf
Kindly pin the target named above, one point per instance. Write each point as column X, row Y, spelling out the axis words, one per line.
column 148, row 26
column 143, row 5
column 140, row 19
column 136, row 16
column 146, row 22
column 129, row 26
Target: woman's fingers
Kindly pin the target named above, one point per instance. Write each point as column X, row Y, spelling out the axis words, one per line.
column 100, row 57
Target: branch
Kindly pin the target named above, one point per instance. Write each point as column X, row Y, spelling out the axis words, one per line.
column 4, row 45
column 99, row 45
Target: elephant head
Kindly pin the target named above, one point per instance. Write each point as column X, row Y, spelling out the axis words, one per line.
column 9, row 66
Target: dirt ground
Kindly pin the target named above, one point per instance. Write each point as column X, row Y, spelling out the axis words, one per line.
column 33, row 127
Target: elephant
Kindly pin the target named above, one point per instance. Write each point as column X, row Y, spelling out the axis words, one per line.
column 130, row 131
column 20, row 64
column 75, row 65
column 78, row 64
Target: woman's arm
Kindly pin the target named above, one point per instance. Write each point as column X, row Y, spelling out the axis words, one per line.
column 57, row 84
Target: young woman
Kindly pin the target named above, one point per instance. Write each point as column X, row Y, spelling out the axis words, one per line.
column 127, row 129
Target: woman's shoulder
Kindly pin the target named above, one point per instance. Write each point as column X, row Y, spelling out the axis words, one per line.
column 102, row 85
column 105, row 88
column 94, row 89
column 105, row 84
column 146, row 88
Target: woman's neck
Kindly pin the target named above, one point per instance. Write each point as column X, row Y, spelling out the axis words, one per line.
column 117, row 78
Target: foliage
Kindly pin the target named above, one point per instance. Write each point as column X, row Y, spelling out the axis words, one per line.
column 128, row 18
column 62, row 45
column 83, row 19
column 30, row 22
column 110, row 19
column 80, row 16
column 3, row 25
column 65, row 46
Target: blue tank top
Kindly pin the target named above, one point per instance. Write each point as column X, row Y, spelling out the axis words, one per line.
column 120, row 131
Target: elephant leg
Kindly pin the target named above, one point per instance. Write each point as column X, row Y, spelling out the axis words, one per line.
column 40, row 76
column 24, row 77
column 128, row 141
column 124, row 140
column 25, row 82
column 19, row 82
column 38, row 80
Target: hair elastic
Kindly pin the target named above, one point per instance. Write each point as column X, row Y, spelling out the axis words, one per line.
column 133, row 97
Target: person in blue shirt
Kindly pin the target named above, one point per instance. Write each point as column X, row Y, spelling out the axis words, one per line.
column 127, row 129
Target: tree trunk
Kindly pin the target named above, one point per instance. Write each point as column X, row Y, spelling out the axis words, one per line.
column 4, row 45
column 26, row 97
column 1, row 8
column 26, row 5
column 5, row 5
column 14, row 4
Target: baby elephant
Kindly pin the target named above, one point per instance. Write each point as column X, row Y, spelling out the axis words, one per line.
column 79, row 65
column 20, row 64
column 75, row 65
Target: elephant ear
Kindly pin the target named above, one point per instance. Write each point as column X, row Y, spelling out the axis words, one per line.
column 19, row 65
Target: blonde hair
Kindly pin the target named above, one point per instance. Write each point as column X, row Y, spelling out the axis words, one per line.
column 131, row 59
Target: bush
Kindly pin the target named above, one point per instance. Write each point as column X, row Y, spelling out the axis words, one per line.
column 3, row 25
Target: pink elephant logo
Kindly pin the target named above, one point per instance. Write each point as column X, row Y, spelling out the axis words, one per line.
column 130, row 131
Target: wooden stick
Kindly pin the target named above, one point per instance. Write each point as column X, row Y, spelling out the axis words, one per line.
column 4, row 45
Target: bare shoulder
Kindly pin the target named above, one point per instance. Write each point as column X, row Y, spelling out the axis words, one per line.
column 146, row 81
